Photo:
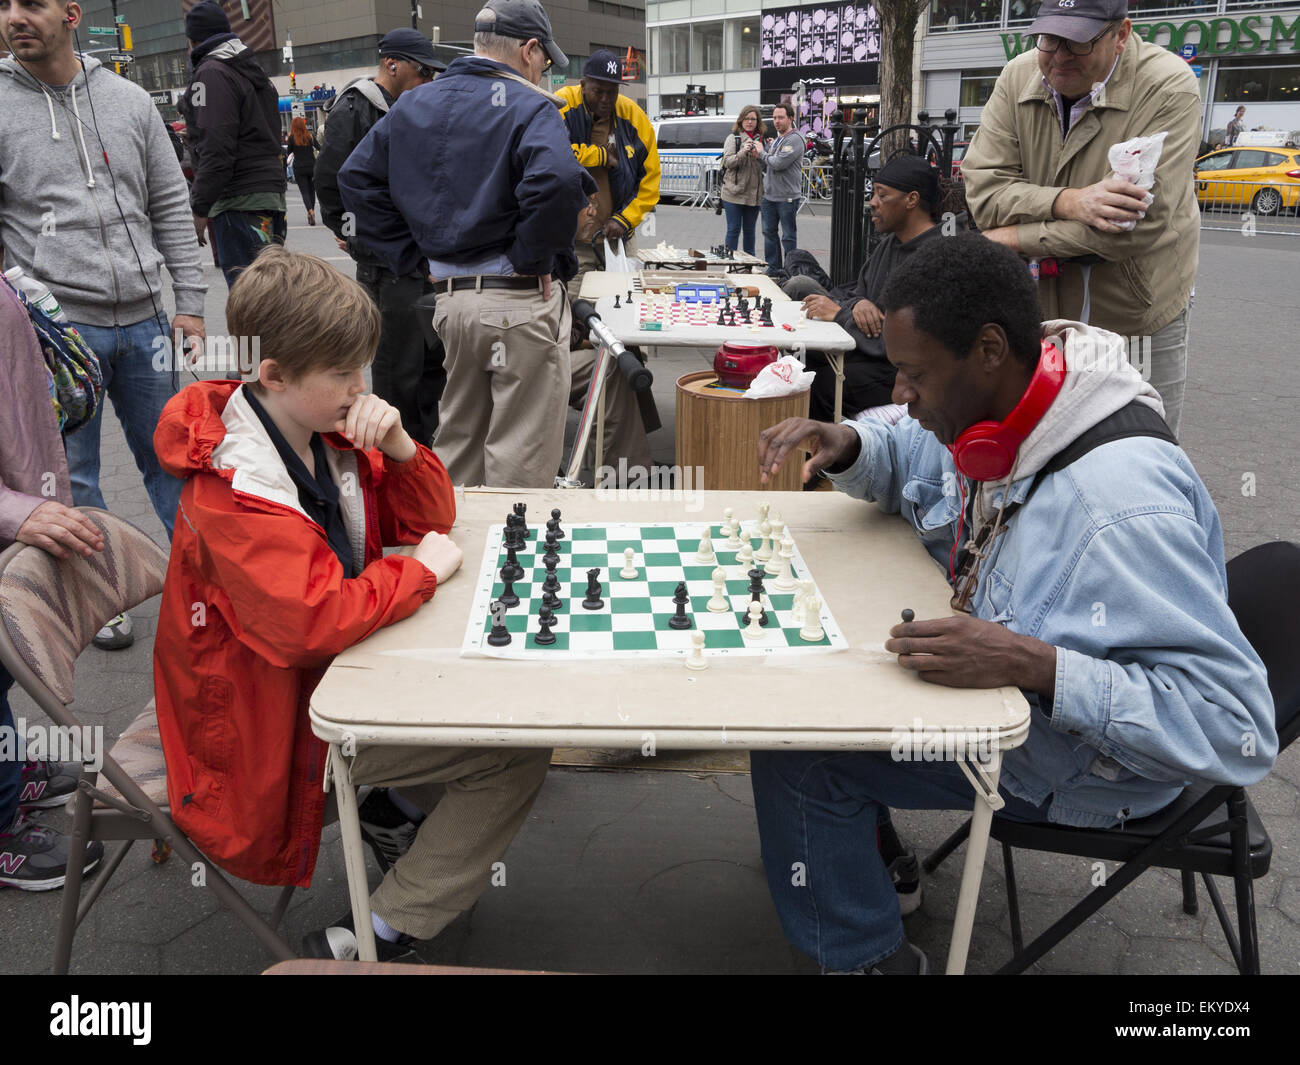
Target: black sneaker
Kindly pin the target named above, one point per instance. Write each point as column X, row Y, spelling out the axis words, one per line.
column 905, row 871
column 907, row 960
column 47, row 784
column 35, row 858
column 116, row 635
column 339, row 942
column 388, row 831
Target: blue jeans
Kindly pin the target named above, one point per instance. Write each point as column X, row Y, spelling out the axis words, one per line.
column 739, row 214
column 817, row 816
column 784, row 212
column 239, row 235
column 139, row 392
column 11, row 769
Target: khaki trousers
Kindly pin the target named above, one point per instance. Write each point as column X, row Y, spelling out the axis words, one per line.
column 501, row 419
column 476, row 798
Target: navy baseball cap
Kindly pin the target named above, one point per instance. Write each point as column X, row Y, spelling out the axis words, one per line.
column 412, row 45
column 1078, row 20
column 522, row 20
column 603, row 66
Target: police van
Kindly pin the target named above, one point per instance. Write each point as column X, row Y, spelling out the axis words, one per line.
column 689, row 147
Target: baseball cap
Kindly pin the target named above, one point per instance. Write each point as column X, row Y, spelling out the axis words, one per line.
column 1077, row 20
column 603, row 66
column 412, row 45
column 520, row 19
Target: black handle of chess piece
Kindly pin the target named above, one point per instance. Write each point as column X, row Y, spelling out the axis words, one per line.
column 638, row 377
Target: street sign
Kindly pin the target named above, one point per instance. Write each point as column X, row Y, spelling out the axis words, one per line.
column 121, row 57
column 1188, row 51
column 1197, row 69
column 119, row 19
column 102, row 31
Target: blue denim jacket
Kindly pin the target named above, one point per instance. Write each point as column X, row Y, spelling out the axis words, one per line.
column 1117, row 561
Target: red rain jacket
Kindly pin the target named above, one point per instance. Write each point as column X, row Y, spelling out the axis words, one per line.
column 255, row 607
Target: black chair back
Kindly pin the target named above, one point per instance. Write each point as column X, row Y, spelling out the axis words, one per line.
column 1264, row 594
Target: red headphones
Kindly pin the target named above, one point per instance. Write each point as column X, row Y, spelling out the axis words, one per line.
column 987, row 450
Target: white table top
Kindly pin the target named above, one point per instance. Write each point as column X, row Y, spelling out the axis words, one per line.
column 409, row 684
column 599, row 283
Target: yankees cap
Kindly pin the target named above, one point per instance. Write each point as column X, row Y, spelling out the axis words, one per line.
column 603, row 66
column 1078, row 20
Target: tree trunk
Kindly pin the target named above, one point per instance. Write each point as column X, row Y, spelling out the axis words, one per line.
column 898, row 20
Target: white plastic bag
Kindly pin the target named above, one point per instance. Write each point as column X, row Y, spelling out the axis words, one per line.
column 616, row 258
column 1136, row 161
column 784, row 377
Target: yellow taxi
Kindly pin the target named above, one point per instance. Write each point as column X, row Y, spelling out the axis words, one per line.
column 1267, row 180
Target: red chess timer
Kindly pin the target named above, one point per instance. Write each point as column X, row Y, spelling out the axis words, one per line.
column 737, row 362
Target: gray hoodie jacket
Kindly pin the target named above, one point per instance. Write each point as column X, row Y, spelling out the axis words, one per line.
column 58, row 218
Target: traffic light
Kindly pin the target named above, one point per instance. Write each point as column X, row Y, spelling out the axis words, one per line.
column 127, row 43
column 293, row 80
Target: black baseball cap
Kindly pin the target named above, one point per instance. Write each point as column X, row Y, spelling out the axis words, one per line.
column 522, row 20
column 603, row 66
column 1078, row 20
column 412, row 45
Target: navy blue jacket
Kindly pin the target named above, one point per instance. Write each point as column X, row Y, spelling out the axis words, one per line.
column 471, row 165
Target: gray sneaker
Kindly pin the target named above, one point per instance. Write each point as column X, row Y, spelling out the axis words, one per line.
column 905, row 871
column 35, row 858
column 116, row 635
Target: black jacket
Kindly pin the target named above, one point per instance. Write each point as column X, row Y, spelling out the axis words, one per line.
column 235, row 134
column 350, row 118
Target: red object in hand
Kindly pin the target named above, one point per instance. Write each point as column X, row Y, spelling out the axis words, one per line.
column 1049, row 268
column 737, row 363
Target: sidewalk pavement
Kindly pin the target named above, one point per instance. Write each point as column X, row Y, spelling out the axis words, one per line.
column 656, row 871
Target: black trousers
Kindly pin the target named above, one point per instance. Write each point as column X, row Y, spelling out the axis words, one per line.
column 407, row 372
column 867, row 383
column 307, row 186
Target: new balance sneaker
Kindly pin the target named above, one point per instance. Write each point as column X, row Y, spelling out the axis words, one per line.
column 905, row 871
column 47, row 784
column 388, row 831
column 907, row 960
column 35, row 858
column 339, row 941
column 116, row 635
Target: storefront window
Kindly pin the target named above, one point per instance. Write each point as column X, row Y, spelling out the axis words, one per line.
column 977, row 86
column 1140, row 10
column 1257, row 84
column 671, row 50
column 743, row 53
column 706, row 42
column 961, row 14
column 1238, row 5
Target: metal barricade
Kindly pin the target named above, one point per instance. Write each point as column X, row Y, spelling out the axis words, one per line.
column 686, row 176
column 1248, row 207
column 814, row 182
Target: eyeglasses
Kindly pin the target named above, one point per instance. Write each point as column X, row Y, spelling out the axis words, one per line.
column 1049, row 43
column 547, row 61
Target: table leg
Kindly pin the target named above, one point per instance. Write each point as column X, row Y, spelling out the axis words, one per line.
column 984, row 777
column 599, row 458
column 354, row 857
column 836, row 359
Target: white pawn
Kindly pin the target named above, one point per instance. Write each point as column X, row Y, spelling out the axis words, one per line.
column 696, row 659
column 628, row 572
column 764, row 550
column 732, row 529
column 785, row 581
column 754, row 630
column 812, row 623
column 704, row 553
column 745, row 556
column 719, row 603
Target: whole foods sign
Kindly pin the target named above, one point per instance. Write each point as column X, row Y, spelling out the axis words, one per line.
column 1212, row 37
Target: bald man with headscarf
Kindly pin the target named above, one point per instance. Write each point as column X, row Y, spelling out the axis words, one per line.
column 904, row 199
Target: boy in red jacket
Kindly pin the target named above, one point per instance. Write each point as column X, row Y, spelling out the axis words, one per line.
column 294, row 483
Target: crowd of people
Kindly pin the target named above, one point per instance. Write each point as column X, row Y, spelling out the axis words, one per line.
column 1041, row 485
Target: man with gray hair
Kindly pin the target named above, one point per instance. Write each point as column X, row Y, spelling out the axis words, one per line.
column 484, row 192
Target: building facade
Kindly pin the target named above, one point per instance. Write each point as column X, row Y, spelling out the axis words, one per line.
column 335, row 41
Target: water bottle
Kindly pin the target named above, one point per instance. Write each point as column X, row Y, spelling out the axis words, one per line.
column 37, row 292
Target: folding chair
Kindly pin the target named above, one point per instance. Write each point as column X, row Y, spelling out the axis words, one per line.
column 1209, row 829
column 50, row 611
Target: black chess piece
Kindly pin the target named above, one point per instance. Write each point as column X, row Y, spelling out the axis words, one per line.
column 766, row 317
column 559, row 533
column 508, row 595
column 544, row 637
column 512, row 562
column 722, row 319
column 756, row 576
column 593, row 600
column 500, row 635
column 680, row 620
column 629, row 297
column 616, row 303
column 909, row 616
column 522, row 510
column 550, row 587
column 552, row 557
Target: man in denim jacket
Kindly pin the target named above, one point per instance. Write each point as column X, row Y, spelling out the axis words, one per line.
column 1104, row 599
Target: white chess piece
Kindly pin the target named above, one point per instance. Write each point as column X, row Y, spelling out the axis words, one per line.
column 746, row 553
column 763, row 510
column 764, row 550
column 704, row 553
column 796, row 609
column 719, row 603
column 732, row 529
column 778, row 531
column 696, row 659
column 812, row 622
column 629, row 571
column 754, row 630
column 785, row 581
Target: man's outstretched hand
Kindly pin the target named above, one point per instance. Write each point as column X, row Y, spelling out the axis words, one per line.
column 967, row 652
column 831, row 446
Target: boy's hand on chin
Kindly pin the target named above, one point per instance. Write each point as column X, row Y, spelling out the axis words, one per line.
column 373, row 422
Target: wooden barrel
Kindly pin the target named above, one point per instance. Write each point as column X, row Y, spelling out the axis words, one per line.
column 717, row 432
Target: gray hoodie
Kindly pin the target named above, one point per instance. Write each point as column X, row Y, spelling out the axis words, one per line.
column 58, row 218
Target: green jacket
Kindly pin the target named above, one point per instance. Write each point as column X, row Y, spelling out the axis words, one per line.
column 1018, row 162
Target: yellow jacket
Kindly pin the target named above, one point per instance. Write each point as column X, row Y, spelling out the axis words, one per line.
column 634, row 182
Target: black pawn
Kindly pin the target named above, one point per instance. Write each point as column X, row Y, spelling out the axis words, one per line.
column 500, row 635
column 552, row 526
column 593, row 600
column 552, row 557
column 559, row 533
column 680, row 620
column 508, row 595
column 512, row 565
column 756, row 576
column 616, row 303
column 909, row 616
column 629, row 296
column 544, row 637
column 722, row 318
column 521, row 509
column 549, row 587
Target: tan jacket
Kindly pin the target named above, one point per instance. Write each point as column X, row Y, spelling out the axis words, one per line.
column 1017, row 164
column 742, row 175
